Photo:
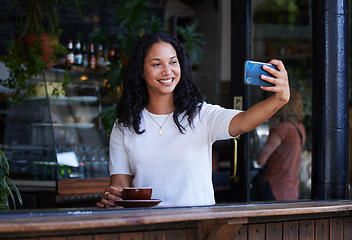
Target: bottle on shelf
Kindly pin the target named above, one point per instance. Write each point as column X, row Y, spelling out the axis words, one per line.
column 112, row 57
column 107, row 62
column 92, row 56
column 78, row 55
column 100, row 57
column 114, row 54
column 85, row 60
column 109, row 58
column 70, row 53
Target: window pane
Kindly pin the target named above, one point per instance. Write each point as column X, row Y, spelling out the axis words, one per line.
column 281, row 29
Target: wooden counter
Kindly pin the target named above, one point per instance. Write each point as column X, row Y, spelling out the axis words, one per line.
column 300, row 220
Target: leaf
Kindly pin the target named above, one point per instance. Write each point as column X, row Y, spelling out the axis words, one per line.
column 12, row 186
column 6, row 204
column 7, row 186
column 4, row 163
column 127, row 40
column 108, row 116
column 130, row 13
column 9, row 192
column 113, row 76
column 192, row 42
column 4, row 194
column 154, row 24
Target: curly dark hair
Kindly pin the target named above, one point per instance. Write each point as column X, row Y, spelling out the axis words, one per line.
column 187, row 96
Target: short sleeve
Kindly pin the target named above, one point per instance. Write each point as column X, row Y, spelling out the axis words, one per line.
column 218, row 120
column 118, row 163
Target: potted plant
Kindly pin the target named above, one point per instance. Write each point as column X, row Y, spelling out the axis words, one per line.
column 7, row 186
column 23, row 65
column 39, row 22
column 36, row 47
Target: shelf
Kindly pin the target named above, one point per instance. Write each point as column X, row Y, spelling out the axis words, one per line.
column 65, row 125
column 40, row 128
column 82, row 98
column 32, row 185
column 88, row 99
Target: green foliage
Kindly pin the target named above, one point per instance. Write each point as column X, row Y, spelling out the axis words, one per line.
column 115, row 76
column 291, row 7
column 131, row 13
column 109, row 116
column 35, row 16
column 24, row 65
column 192, row 42
column 135, row 22
column 7, row 186
column 288, row 12
column 34, row 12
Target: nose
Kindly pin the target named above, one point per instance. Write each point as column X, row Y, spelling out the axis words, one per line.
column 166, row 69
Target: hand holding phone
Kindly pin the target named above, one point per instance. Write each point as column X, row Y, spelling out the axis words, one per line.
column 252, row 72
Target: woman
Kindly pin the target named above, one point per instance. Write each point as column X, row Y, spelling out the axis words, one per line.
column 163, row 134
column 282, row 152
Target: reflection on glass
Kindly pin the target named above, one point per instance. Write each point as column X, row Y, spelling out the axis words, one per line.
column 280, row 157
column 282, row 30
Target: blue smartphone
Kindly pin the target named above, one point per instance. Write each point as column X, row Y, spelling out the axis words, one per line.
column 252, row 72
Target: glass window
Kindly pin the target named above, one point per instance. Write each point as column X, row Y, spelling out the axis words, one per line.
column 281, row 29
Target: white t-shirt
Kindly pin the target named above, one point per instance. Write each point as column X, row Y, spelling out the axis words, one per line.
column 177, row 166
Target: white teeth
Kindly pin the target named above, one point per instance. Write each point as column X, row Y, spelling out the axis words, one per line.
column 166, row 81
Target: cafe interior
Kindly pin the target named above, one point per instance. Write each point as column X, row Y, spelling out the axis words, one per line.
column 57, row 112
column 56, row 123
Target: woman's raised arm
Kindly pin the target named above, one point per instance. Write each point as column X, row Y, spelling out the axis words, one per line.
column 257, row 114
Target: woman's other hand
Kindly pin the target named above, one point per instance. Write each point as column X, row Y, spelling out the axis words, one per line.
column 110, row 195
column 114, row 191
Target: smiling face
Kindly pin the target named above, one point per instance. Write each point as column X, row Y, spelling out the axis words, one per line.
column 161, row 69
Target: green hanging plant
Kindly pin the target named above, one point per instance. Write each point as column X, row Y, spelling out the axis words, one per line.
column 24, row 60
column 7, row 186
column 24, row 65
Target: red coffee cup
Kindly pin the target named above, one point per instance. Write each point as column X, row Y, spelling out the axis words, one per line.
column 137, row 193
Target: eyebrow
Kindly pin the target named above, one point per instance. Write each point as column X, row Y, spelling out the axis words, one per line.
column 158, row 59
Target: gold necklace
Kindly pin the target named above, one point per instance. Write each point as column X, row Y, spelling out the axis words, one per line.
column 160, row 126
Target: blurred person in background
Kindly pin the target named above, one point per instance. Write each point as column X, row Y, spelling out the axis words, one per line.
column 281, row 155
